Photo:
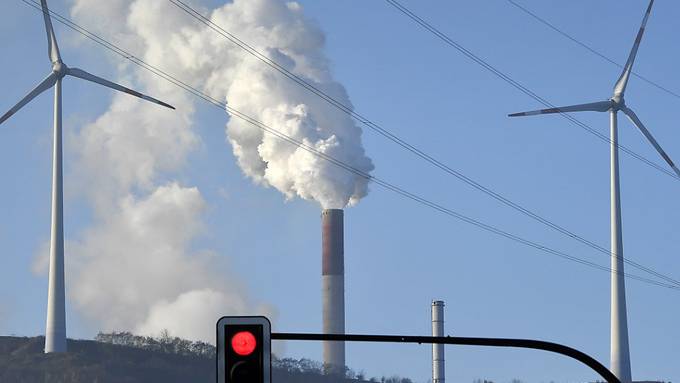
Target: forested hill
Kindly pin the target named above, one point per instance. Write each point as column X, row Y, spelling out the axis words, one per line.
column 22, row 361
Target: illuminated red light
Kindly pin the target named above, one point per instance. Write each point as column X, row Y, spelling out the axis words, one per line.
column 243, row 343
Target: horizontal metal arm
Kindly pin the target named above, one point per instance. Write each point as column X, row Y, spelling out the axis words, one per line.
column 491, row 342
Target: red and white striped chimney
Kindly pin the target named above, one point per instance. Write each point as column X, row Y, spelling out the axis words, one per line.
column 333, row 287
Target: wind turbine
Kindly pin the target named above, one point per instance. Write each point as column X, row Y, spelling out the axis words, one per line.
column 619, row 352
column 55, row 331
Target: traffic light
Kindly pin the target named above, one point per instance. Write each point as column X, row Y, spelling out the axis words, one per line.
column 244, row 350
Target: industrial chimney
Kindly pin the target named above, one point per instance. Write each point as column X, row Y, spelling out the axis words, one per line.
column 333, row 287
column 438, row 366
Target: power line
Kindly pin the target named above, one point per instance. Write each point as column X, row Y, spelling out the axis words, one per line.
column 400, row 191
column 418, row 152
column 588, row 47
column 533, row 95
column 446, row 39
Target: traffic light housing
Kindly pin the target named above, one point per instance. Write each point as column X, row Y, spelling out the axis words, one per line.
column 244, row 349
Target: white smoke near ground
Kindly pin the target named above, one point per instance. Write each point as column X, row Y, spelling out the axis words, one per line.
column 140, row 259
column 136, row 268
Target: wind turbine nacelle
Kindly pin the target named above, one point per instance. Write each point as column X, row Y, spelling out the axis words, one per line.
column 60, row 69
column 618, row 103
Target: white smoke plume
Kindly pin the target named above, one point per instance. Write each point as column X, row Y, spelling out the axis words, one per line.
column 141, row 261
column 180, row 45
column 136, row 268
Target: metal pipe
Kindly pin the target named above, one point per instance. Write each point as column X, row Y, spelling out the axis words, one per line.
column 619, row 352
column 333, row 287
column 55, row 328
column 438, row 364
column 487, row 342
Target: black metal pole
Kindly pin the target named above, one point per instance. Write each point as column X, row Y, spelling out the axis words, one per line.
column 491, row 342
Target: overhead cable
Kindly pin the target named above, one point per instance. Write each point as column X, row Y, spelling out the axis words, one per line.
column 389, row 186
column 409, row 147
column 430, row 28
column 588, row 47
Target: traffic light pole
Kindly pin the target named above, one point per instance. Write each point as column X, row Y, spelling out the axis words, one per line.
column 491, row 342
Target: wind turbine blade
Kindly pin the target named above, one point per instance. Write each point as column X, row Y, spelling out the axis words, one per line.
column 52, row 47
column 601, row 106
column 90, row 77
column 620, row 87
column 636, row 121
column 43, row 86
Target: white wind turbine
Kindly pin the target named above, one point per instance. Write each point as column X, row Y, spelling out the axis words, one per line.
column 620, row 355
column 55, row 331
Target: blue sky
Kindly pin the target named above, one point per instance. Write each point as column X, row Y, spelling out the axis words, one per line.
column 400, row 255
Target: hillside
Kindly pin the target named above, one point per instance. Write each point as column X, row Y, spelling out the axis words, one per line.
column 22, row 361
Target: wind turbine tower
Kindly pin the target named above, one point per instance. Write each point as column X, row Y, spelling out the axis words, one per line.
column 619, row 352
column 55, row 329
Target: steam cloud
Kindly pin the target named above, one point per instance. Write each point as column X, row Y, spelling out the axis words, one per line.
column 136, row 267
column 179, row 45
column 140, row 259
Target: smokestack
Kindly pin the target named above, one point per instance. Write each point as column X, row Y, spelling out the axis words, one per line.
column 333, row 287
column 438, row 349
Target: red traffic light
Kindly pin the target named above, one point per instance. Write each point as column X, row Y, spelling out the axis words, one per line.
column 244, row 350
column 243, row 343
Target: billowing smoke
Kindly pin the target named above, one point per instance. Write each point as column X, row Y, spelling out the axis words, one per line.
column 284, row 35
column 283, row 105
column 137, row 268
column 141, row 259
column 180, row 45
